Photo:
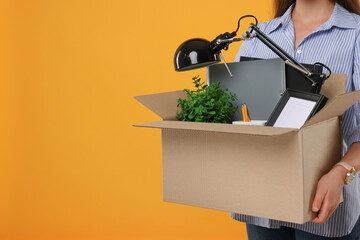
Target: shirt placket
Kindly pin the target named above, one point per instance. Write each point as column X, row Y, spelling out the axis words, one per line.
column 290, row 37
column 299, row 52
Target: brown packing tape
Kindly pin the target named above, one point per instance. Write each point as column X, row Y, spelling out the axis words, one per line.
column 219, row 127
column 162, row 104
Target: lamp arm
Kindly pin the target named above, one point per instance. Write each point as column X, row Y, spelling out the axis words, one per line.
column 278, row 52
column 230, row 40
column 277, row 49
column 222, row 42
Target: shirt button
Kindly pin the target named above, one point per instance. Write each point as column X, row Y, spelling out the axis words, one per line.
column 299, row 51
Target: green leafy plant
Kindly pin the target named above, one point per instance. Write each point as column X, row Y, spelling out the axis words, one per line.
column 206, row 103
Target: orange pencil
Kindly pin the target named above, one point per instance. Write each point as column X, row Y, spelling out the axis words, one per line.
column 246, row 114
column 243, row 112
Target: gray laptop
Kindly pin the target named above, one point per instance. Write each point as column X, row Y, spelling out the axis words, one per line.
column 259, row 84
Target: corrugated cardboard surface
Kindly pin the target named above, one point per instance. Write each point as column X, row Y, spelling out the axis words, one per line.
column 162, row 104
column 334, row 86
column 218, row 127
column 253, row 175
column 262, row 171
column 336, row 107
column 322, row 148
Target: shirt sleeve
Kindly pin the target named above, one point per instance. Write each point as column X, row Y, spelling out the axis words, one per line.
column 354, row 112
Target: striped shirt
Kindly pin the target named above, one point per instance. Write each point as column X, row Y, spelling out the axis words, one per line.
column 335, row 43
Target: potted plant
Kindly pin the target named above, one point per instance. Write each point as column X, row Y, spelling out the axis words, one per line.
column 206, row 104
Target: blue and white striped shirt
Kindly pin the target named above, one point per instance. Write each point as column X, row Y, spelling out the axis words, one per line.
column 335, row 43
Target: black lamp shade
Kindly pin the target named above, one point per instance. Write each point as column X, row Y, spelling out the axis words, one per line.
column 195, row 53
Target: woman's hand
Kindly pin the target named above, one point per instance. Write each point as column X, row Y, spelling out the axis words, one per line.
column 328, row 193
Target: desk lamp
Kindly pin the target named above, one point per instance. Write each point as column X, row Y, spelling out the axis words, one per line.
column 197, row 53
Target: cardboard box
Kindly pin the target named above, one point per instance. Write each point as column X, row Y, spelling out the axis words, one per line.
column 254, row 170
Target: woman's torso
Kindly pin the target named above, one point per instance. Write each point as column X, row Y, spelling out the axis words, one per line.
column 335, row 43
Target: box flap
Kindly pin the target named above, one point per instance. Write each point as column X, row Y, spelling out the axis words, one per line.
column 219, row 127
column 334, row 86
column 335, row 107
column 162, row 104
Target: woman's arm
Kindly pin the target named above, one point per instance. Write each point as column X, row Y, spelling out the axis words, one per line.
column 330, row 186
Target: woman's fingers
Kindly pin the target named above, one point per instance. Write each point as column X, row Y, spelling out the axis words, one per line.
column 327, row 208
column 319, row 197
column 324, row 213
column 327, row 196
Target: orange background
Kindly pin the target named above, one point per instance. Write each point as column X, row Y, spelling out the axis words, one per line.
column 71, row 164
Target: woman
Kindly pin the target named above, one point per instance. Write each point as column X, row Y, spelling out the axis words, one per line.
column 328, row 32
